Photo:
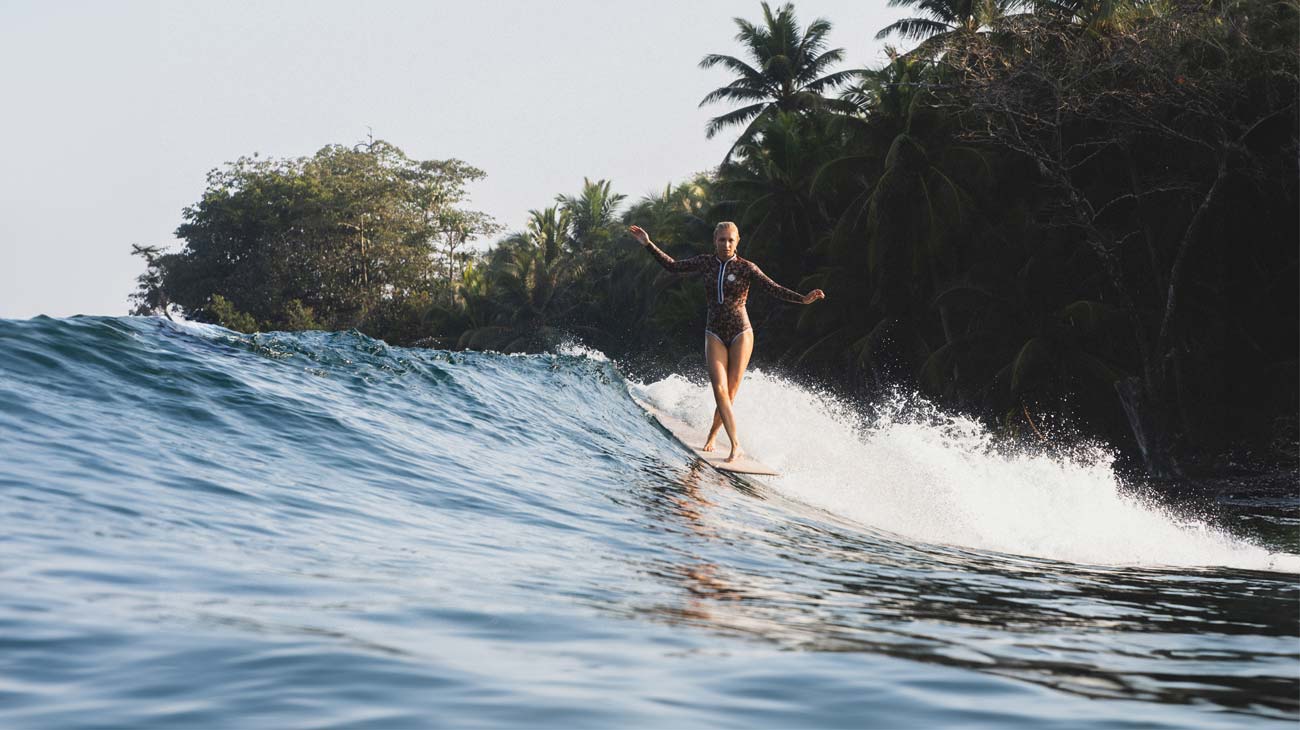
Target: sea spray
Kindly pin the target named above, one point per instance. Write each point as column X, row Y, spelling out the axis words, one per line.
column 917, row 472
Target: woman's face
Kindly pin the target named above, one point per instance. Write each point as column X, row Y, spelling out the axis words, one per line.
column 725, row 242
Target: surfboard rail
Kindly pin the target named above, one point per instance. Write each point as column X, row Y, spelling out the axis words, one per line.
column 686, row 435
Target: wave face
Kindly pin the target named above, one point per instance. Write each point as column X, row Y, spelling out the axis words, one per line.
column 209, row 529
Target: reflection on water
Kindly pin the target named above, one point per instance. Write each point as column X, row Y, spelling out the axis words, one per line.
column 809, row 585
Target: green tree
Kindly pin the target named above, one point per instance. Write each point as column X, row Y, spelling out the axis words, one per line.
column 767, row 188
column 530, row 274
column 150, row 297
column 1139, row 145
column 343, row 232
column 225, row 314
column 298, row 316
column 592, row 215
column 944, row 24
column 786, row 71
column 1099, row 16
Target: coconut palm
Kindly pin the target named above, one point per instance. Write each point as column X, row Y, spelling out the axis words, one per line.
column 529, row 274
column 678, row 214
column 1030, row 333
column 785, row 71
column 1095, row 15
column 943, row 22
column 592, row 214
column 766, row 188
column 888, row 91
column 642, row 303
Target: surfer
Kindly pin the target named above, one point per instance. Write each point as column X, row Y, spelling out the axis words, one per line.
column 728, row 336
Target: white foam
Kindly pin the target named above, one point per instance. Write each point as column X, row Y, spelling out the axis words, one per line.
column 573, row 348
column 202, row 329
column 939, row 479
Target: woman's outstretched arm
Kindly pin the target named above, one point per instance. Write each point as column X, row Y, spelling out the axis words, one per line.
column 780, row 292
column 693, row 263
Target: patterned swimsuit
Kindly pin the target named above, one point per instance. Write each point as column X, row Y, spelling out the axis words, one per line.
column 726, row 289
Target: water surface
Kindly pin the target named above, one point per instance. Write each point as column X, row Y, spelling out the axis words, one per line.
column 208, row 529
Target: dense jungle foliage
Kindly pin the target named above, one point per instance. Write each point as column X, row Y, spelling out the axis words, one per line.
column 1078, row 212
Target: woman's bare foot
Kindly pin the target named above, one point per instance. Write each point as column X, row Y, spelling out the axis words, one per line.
column 737, row 453
column 709, row 445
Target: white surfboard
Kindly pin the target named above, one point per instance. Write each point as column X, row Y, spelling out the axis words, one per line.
column 689, row 435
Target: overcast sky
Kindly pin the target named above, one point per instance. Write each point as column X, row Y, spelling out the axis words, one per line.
column 113, row 112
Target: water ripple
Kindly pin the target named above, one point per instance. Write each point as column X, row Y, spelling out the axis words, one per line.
column 209, row 529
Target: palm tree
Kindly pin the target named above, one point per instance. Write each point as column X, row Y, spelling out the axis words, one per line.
column 644, row 301
column 544, row 269
column 944, row 21
column 1096, row 15
column 785, row 72
column 529, row 275
column 592, row 214
column 889, row 90
column 767, row 189
column 1030, row 334
column 677, row 215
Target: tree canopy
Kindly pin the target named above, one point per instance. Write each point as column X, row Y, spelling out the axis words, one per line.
column 334, row 238
column 1050, row 212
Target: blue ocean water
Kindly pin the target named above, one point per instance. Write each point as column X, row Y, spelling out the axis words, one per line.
column 316, row 530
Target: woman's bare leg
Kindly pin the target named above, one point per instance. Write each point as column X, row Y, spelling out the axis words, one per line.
column 715, row 357
column 737, row 361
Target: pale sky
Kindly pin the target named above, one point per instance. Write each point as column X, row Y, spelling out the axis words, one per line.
column 114, row 112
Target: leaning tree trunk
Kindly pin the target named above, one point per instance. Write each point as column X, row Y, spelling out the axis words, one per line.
column 1150, row 424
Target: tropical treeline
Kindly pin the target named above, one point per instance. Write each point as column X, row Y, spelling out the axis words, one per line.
column 352, row 237
column 1063, row 211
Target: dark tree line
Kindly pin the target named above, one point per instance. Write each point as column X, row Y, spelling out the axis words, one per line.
column 1081, row 211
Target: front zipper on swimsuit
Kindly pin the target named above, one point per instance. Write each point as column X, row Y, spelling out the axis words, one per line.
column 721, row 272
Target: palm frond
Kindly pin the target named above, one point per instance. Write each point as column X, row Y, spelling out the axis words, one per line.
column 811, row 66
column 913, row 29
column 731, row 63
column 732, row 118
column 829, row 80
column 733, row 93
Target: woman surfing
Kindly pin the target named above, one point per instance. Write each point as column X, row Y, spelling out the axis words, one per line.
column 728, row 336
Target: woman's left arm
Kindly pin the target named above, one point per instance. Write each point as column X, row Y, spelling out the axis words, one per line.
column 780, row 292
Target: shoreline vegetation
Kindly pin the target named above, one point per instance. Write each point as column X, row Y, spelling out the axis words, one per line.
column 1064, row 212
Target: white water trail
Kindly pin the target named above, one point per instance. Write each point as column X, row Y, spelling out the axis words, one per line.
column 939, row 479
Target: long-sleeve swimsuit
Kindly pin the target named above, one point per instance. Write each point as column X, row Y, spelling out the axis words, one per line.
column 726, row 289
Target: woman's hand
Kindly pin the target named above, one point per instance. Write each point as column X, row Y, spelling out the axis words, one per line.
column 639, row 234
column 813, row 296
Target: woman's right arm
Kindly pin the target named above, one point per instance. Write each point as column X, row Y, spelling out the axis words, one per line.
column 666, row 261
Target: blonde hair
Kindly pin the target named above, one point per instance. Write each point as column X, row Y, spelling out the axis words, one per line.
column 726, row 224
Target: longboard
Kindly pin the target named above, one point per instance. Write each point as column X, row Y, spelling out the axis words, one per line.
column 688, row 435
